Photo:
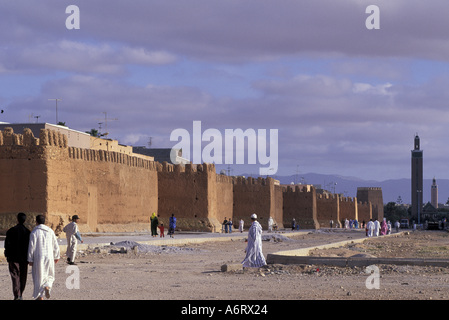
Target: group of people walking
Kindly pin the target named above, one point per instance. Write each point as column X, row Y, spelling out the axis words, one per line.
column 154, row 223
column 374, row 228
column 38, row 249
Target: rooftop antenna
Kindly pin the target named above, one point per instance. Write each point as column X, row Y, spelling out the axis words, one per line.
column 56, row 99
column 99, row 128
column 106, row 123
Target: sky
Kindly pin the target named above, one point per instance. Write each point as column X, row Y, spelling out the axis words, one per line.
column 343, row 98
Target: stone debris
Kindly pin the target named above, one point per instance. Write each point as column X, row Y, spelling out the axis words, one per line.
column 124, row 247
column 275, row 238
column 231, row 267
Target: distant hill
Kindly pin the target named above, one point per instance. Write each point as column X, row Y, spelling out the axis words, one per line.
column 391, row 189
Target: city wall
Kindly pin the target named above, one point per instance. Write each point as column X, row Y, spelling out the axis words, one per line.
column 116, row 192
column 328, row 209
column 260, row 196
column 373, row 195
column 23, row 178
column 336, row 208
column 348, row 208
column 300, row 203
column 189, row 192
column 109, row 191
column 365, row 211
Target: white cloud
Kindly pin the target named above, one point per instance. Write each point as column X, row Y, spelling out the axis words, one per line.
column 80, row 57
column 381, row 89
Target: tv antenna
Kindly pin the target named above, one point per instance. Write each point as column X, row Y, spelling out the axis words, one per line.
column 106, row 123
column 56, row 99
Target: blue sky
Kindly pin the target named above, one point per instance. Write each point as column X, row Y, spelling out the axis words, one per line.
column 345, row 100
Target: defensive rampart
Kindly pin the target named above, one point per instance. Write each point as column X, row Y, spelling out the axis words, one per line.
column 364, row 211
column 109, row 191
column 189, row 192
column 300, row 204
column 373, row 195
column 261, row 196
column 348, row 208
column 328, row 209
column 118, row 192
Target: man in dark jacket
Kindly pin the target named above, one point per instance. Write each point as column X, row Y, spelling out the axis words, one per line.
column 16, row 251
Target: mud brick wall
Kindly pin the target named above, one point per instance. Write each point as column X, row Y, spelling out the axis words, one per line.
column 23, row 178
column 373, row 195
column 364, row 211
column 109, row 191
column 328, row 208
column 190, row 193
column 256, row 196
column 300, row 203
column 225, row 200
column 348, row 208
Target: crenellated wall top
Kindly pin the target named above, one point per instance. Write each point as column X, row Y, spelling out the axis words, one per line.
column 186, row 168
column 348, row 199
column 304, row 188
column 47, row 137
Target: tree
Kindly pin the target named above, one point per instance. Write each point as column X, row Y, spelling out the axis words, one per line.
column 394, row 212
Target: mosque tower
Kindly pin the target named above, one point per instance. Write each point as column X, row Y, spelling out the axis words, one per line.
column 417, row 180
column 434, row 194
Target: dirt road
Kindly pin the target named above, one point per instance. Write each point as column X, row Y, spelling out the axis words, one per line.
column 194, row 272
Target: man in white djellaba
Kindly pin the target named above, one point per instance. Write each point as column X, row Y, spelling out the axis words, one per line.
column 270, row 224
column 376, row 228
column 254, row 256
column 43, row 253
column 370, row 227
column 73, row 236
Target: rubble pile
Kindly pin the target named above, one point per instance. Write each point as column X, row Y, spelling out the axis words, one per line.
column 135, row 247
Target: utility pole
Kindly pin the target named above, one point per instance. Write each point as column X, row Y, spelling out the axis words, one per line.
column 56, row 99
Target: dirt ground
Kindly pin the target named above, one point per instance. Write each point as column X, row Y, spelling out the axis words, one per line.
column 193, row 272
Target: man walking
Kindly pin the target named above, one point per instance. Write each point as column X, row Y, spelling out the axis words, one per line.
column 172, row 225
column 370, row 228
column 254, row 256
column 16, row 250
column 43, row 253
column 376, row 228
column 73, row 235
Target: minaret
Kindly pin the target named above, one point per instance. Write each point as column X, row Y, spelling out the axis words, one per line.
column 417, row 180
column 434, row 194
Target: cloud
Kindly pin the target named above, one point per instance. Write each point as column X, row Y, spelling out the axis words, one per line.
column 236, row 31
column 79, row 57
column 344, row 98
